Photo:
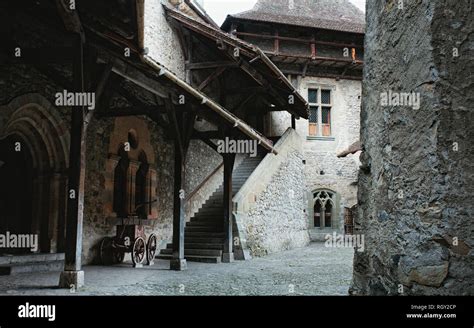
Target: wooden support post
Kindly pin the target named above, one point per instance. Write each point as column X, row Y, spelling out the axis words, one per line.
column 313, row 47
column 276, row 45
column 181, row 143
column 228, row 254
column 178, row 261
column 260, row 124
column 73, row 276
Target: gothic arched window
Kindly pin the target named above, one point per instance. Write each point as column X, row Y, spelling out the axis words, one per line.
column 324, row 208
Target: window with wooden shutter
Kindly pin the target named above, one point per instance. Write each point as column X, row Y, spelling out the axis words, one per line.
column 313, row 121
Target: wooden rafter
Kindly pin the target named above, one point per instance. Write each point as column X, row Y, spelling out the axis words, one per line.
column 209, row 65
column 217, row 72
column 99, row 89
column 133, row 111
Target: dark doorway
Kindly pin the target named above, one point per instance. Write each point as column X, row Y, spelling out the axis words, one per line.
column 16, row 176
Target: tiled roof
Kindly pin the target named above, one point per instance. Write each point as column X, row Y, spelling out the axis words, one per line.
column 337, row 15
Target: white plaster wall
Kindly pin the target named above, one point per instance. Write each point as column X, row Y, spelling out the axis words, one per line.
column 161, row 40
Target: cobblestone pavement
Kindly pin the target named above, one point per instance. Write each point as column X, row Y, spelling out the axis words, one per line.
column 313, row 270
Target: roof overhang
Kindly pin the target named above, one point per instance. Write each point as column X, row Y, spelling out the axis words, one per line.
column 231, row 19
column 163, row 72
column 251, row 59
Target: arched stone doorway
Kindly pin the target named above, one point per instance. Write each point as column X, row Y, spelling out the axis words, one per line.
column 33, row 152
column 16, row 175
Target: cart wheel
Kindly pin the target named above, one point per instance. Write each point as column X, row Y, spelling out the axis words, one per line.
column 105, row 251
column 151, row 249
column 138, row 251
column 118, row 256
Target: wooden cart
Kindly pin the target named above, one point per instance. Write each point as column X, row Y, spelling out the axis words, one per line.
column 129, row 238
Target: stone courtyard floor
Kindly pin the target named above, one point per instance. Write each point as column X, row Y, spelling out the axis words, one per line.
column 313, row 270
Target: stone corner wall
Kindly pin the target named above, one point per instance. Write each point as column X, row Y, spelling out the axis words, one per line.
column 277, row 220
column 416, row 186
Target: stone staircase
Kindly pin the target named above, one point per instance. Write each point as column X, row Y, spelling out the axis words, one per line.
column 204, row 233
column 29, row 263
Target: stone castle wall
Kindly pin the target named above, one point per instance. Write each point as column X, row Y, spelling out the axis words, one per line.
column 416, row 190
column 323, row 170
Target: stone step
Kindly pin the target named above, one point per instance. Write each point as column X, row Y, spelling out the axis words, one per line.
column 212, row 207
column 217, row 246
column 208, row 219
column 203, row 229
column 246, row 169
column 193, row 258
column 31, row 267
column 211, row 213
column 203, row 240
column 214, row 201
column 245, row 172
column 194, row 251
column 247, row 166
column 217, row 196
column 202, row 223
column 209, row 216
column 240, row 177
column 37, row 257
column 204, row 234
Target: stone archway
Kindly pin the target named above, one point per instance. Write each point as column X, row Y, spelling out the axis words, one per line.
column 31, row 127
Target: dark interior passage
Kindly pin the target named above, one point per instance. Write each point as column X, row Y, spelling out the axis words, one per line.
column 16, row 176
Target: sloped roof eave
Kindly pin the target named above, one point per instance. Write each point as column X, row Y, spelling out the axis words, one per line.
column 218, row 34
column 355, row 28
